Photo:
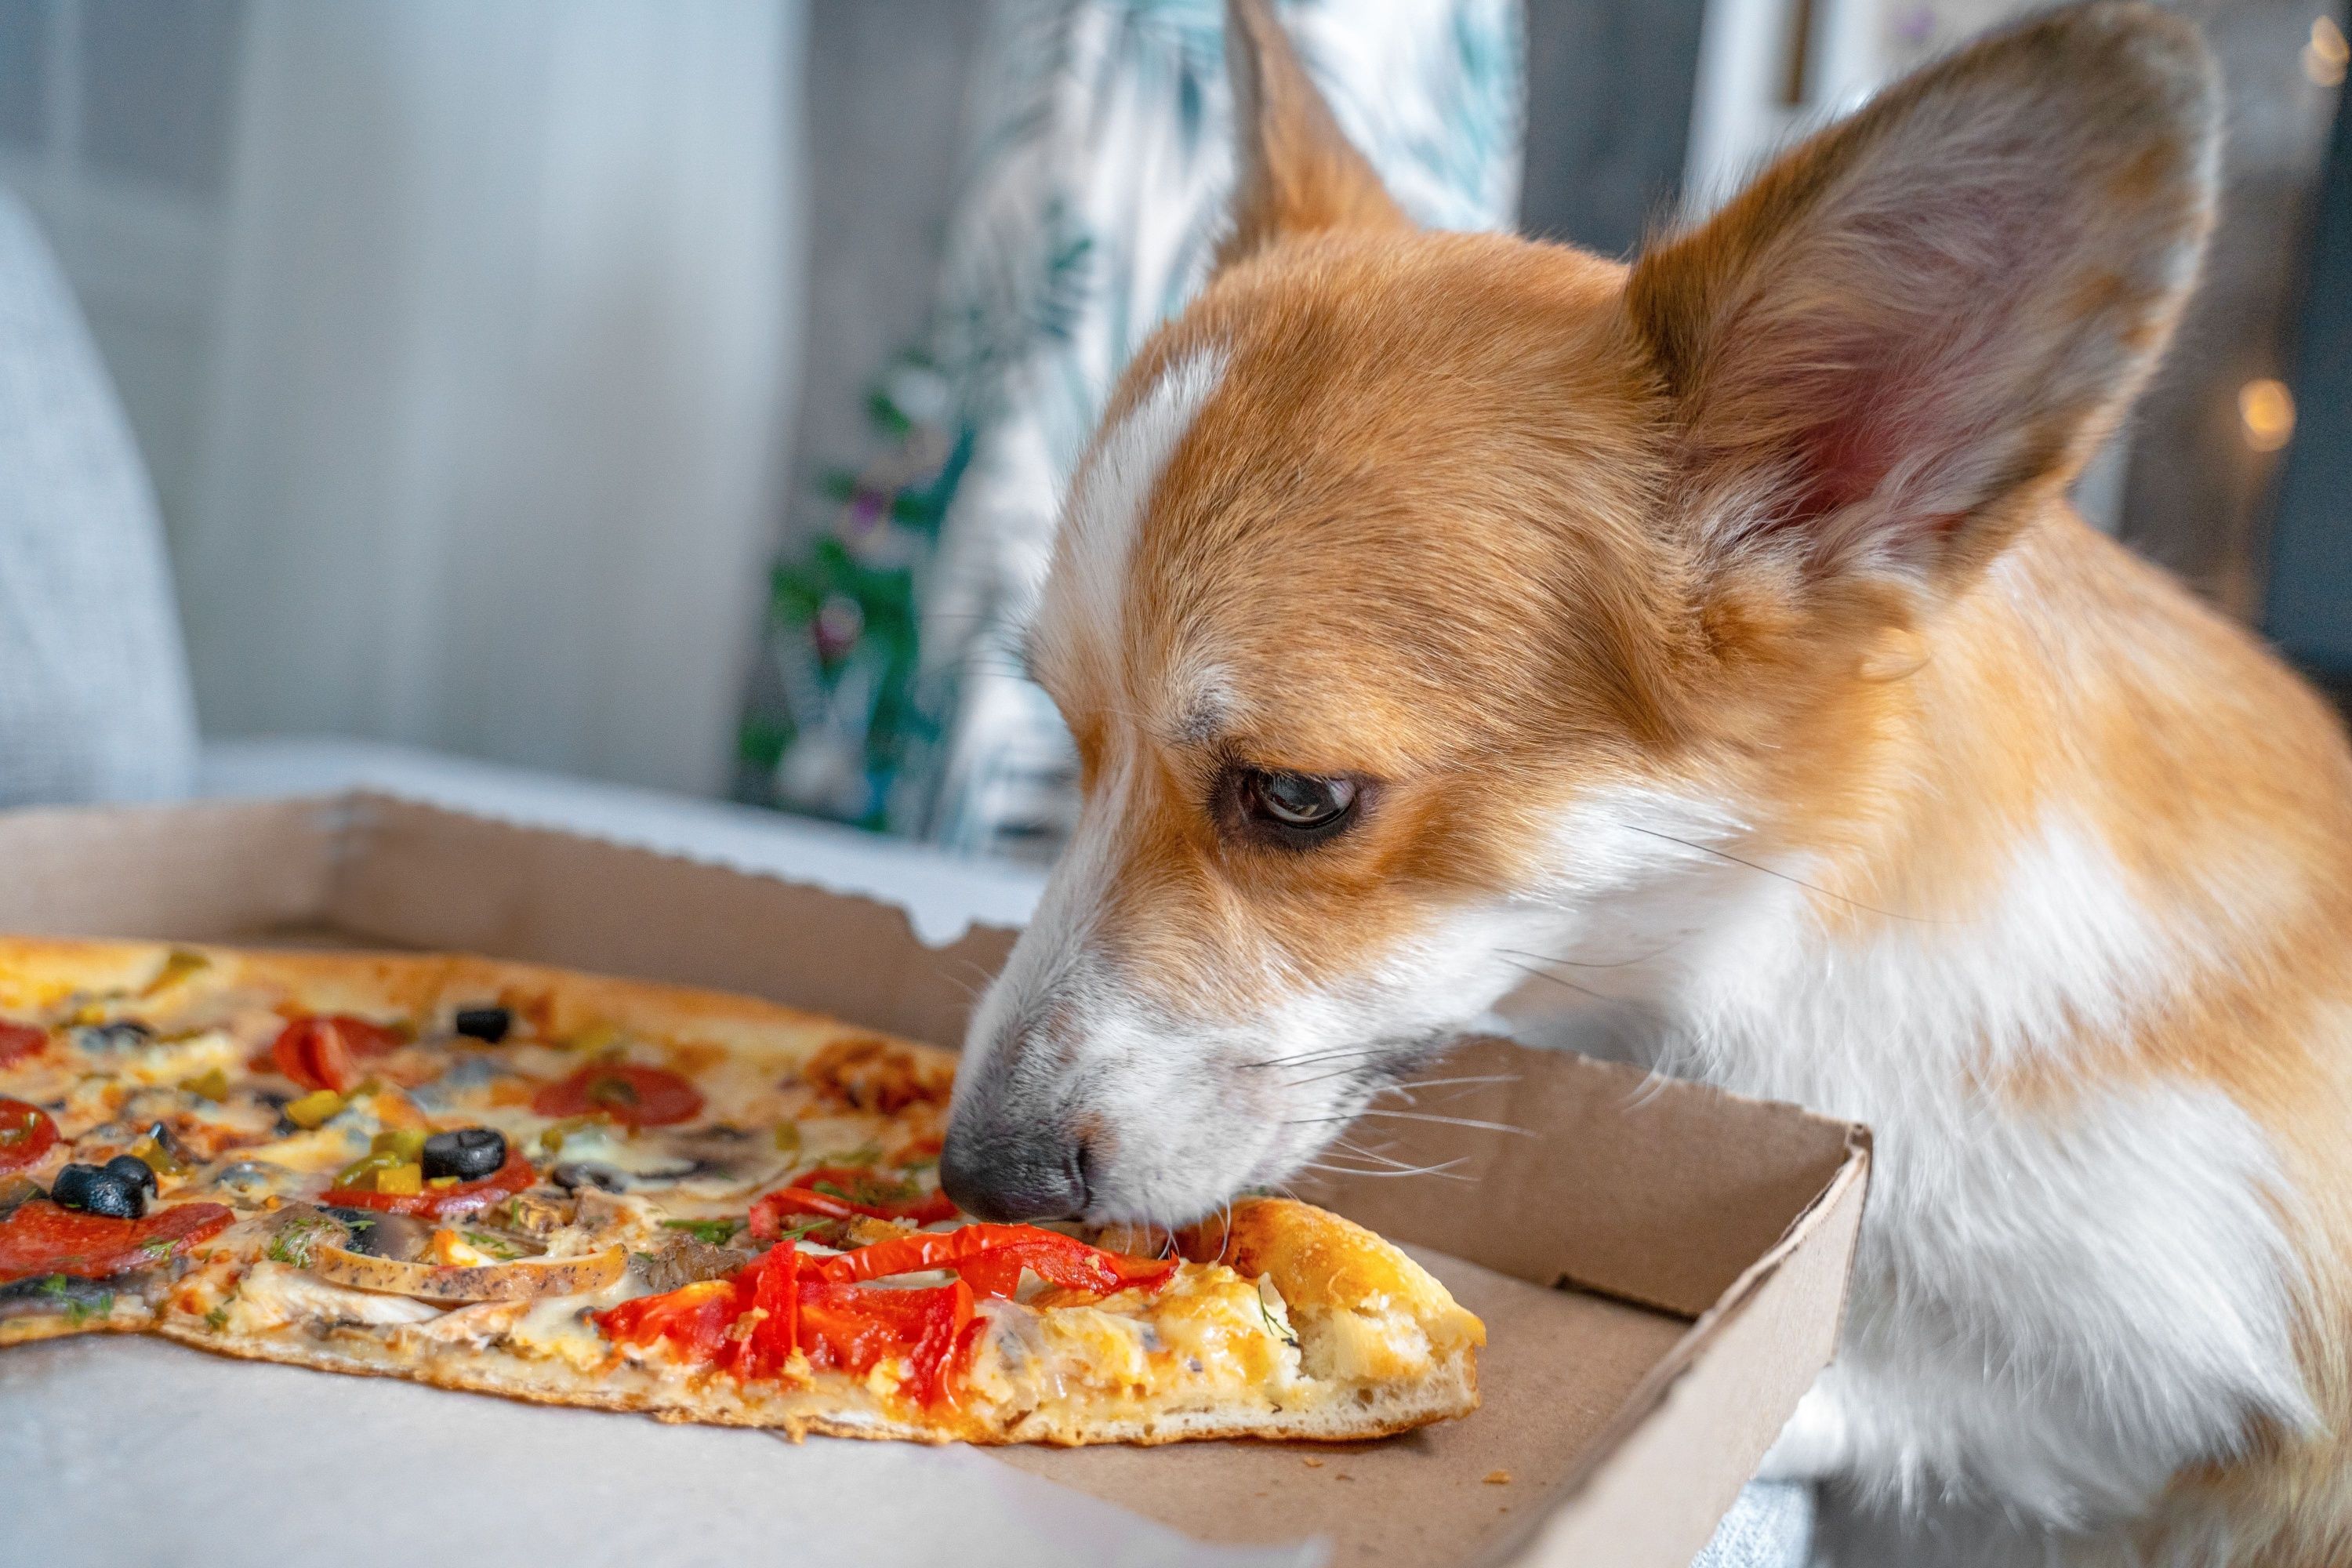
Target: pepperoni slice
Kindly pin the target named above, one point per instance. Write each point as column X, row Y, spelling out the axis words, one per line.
column 41, row 1239
column 641, row 1097
column 18, row 1041
column 319, row 1052
column 444, row 1203
column 26, row 1134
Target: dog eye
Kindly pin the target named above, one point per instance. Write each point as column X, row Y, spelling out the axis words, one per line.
column 1300, row 806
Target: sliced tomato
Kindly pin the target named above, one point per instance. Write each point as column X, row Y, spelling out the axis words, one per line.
column 640, row 1096
column 841, row 1192
column 990, row 1258
column 320, row 1052
column 41, row 1239
column 18, row 1041
column 26, row 1134
column 442, row 1203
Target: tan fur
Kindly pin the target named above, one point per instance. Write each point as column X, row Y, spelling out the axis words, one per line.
column 1491, row 524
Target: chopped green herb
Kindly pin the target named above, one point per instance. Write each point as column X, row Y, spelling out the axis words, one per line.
column 1274, row 1328
column 710, row 1232
column 503, row 1250
column 80, row 1312
column 864, row 1154
column 217, row 1319
column 291, row 1244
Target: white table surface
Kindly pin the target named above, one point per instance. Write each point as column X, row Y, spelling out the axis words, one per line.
column 123, row 1452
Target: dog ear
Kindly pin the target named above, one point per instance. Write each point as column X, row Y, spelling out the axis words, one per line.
column 1949, row 297
column 1296, row 171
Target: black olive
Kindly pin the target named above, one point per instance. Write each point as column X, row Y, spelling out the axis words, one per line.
column 574, row 1174
column 133, row 1170
column 487, row 1024
column 121, row 1036
column 469, row 1152
column 100, row 1190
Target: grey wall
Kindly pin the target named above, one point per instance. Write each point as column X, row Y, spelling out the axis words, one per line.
column 886, row 95
column 1609, row 112
column 2310, row 610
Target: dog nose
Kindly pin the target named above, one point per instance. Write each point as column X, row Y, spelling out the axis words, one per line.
column 1014, row 1175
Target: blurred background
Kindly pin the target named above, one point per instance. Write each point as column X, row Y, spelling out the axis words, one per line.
column 677, row 393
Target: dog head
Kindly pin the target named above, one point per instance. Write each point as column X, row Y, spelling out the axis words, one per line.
column 1431, row 607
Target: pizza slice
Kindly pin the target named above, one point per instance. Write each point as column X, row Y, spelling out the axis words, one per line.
column 592, row 1192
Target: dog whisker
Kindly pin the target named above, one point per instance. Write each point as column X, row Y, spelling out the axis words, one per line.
column 1591, row 964
column 1793, row 881
column 1418, row 1085
column 1301, row 1058
column 1561, row 980
column 1414, row 1116
column 1445, row 1171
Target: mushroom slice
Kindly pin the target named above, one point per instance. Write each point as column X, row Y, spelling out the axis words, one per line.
column 520, row 1280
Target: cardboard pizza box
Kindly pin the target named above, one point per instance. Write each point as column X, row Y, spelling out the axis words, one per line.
column 1662, row 1266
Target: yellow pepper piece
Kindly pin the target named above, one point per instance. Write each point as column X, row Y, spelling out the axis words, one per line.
column 408, row 1142
column 157, row 1159
column 177, row 967
column 401, row 1180
column 212, row 1085
column 313, row 1110
column 362, row 1172
column 442, row 1183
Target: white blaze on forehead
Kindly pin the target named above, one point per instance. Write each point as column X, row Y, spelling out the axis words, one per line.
column 1115, row 484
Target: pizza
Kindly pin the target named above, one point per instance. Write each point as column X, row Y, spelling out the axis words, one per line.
column 583, row 1191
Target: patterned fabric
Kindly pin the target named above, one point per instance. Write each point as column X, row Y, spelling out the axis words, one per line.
column 94, row 699
column 1109, row 138
column 1099, row 171
column 1770, row 1526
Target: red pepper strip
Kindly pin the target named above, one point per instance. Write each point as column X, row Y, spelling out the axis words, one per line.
column 693, row 1318
column 26, row 1134
column 18, row 1041
column 447, row 1203
column 856, row 1191
column 318, row 1052
column 854, row 1329
column 713, row 1321
column 990, row 1258
column 770, row 1292
column 749, row 1323
column 41, row 1239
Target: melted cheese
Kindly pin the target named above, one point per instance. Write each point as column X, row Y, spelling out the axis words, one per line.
column 272, row 1295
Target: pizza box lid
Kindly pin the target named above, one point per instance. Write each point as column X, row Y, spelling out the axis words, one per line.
column 1662, row 1266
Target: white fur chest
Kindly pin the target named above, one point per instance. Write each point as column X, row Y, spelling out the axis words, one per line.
column 2058, row 1301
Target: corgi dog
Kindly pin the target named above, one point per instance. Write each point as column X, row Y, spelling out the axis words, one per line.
column 1715, row 630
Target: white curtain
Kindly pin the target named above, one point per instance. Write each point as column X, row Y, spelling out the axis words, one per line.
column 507, row 344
